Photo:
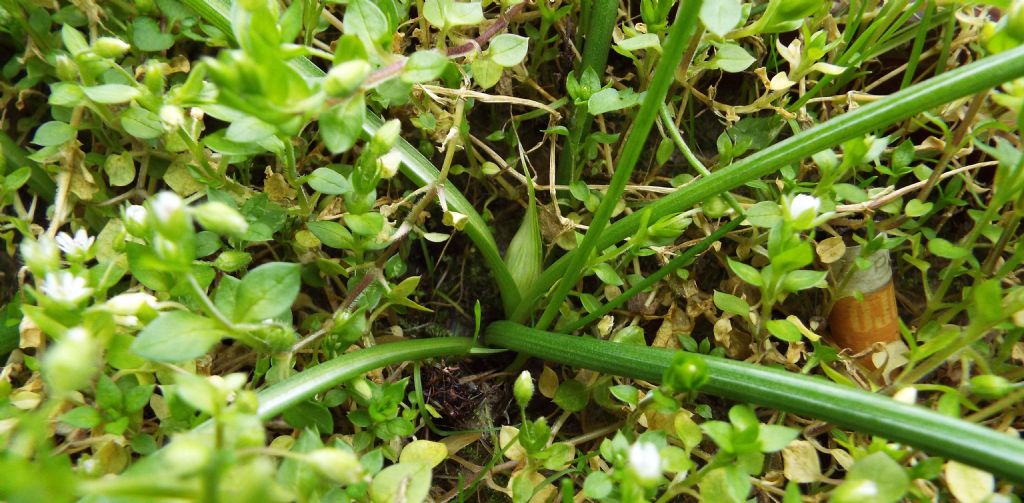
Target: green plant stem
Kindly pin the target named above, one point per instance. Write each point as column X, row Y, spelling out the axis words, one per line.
column 674, row 264
column 807, row 396
column 674, row 48
column 957, row 83
column 414, row 166
column 677, row 137
column 603, row 14
column 300, row 387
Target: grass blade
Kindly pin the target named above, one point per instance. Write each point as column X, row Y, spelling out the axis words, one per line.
column 679, row 34
column 807, row 396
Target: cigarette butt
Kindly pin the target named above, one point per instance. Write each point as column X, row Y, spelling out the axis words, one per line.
column 859, row 324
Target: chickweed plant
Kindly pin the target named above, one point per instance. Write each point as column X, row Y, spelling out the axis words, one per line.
column 464, row 250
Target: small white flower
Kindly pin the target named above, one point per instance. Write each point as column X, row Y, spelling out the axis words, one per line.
column 389, row 164
column 41, row 255
column 129, row 304
column 166, row 206
column 172, row 117
column 64, row 287
column 645, row 460
column 136, row 214
column 77, row 246
column 77, row 335
column 803, row 203
column 907, row 395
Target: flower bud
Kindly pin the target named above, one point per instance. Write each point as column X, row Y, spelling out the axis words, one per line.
column 130, row 304
column 171, row 252
column 388, row 164
column 802, row 209
column 172, row 117
column 136, row 221
column 337, row 465
column 221, row 218
column 278, row 337
column 1015, row 20
column 386, row 136
column 169, row 215
column 70, row 364
column 523, row 388
column 110, row 47
column 41, row 256
column 154, row 79
column 645, row 462
column 67, row 70
column 188, row 453
column 990, row 386
column 687, row 373
column 715, row 207
column 345, row 78
column 232, row 260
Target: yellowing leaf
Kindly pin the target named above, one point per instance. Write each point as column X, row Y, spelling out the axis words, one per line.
column 800, row 461
column 431, row 453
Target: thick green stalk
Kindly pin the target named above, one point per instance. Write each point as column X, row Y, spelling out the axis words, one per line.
column 304, row 385
column 963, row 81
column 414, row 165
column 595, row 57
column 677, row 262
column 674, row 48
column 808, row 396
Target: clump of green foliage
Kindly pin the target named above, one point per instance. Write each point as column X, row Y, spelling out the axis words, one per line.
column 228, row 277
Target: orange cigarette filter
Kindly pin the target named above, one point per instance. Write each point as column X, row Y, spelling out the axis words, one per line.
column 858, row 324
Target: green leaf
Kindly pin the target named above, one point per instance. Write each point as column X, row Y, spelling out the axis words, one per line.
column 607, row 274
column 611, row 99
column 445, row 14
column 332, row 234
column 639, row 42
column 784, row 330
column 745, row 272
column 774, row 437
column 267, row 292
column 725, row 485
column 508, row 50
column 81, row 417
column 328, row 181
column 571, row 395
column 803, row 279
column 146, row 36
column 873, row 479
column 73, row 40
column 177, row 336
column 248, row 130
column 626, row 393
column 141, row 123
column 367, row 224
column 721, row 16
column 916, row 208
column 401, row 482
column 310, row 414
column 53, row 133
column 598, row 485
column 120, row 169
column 366, row 20
column 943, row 248
column 423, row 66
column 110, row 94
column 486, row 73
column 732, row 58
column 764, row 214
column 793, row 258
column 341, row 124
column 732, row 304
column 65, row 94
